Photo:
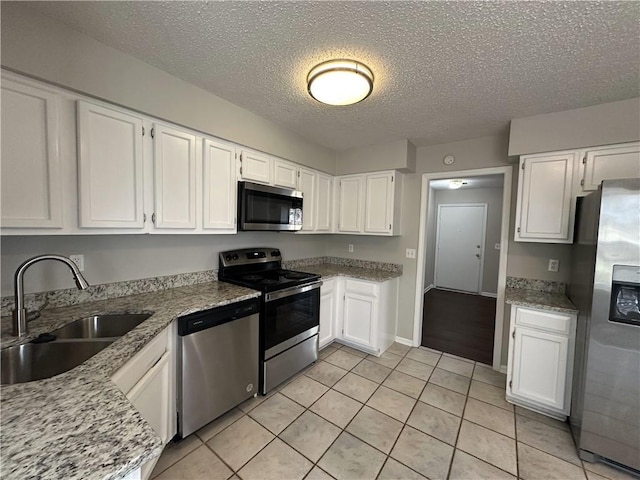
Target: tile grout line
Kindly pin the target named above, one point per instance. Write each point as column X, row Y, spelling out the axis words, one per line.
column 464, row 409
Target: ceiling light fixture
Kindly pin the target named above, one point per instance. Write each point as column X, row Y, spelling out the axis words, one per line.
column 455, row 184
column 340, row 82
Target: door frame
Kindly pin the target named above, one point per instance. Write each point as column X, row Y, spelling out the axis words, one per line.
column 482, row 244
column 507, row 173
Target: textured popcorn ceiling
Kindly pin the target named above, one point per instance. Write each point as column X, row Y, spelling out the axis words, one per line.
column 444, row 71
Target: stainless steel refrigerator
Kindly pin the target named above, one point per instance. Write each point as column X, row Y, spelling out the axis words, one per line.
column 605, row 286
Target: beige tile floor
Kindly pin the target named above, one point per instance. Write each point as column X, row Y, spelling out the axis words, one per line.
column 412, row 413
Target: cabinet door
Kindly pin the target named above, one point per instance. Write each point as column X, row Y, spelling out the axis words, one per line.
column 378, row 205
column 539, row 367
column 323, row 204
column 109, row 168
column 350, row 204
column 616, row 161
column 31, row 185
column 359, row 314
column 220, row 186
column 151, row 397
column 545, row 204
column 285, row 174
column 255, row 167
column 328, row 304
column 309, row 199
column 174, row 160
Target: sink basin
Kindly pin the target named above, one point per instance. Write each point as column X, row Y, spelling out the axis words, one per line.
column 101, row 326
column 31, row 361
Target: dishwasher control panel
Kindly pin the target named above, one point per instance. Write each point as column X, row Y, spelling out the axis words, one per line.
column 196, row 322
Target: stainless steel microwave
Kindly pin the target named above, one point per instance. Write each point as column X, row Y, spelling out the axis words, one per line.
column 262, row 207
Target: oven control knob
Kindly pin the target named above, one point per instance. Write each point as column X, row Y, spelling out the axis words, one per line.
column 235, row 256
column 275, row 253
column 228, row 258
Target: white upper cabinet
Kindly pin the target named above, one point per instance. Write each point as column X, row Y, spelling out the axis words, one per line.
column 220, row 186
column 255, row 167
column 175, row 178
column 350, row 193
column 307, row 185
column 545, row 209
column 31, row 179
column 379, row 203
column 323, row 203
column 610, row 162
column 110, row 167
column 285, row 174
column 369, row 204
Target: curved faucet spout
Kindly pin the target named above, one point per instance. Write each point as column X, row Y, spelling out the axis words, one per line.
column 20, row 313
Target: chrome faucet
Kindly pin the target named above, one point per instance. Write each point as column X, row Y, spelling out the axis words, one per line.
column 20, row 313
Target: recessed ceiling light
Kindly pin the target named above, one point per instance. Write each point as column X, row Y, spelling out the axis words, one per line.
column 454, row 184
column 340, row 82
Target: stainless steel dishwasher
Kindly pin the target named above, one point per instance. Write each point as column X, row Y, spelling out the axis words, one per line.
column 217, row 362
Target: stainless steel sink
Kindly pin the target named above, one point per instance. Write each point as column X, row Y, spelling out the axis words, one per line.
column 101, row 326
column 35, row 361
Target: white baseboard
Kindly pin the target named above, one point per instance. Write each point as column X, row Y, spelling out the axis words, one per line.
column 489, row 294
column 427, row 288
column 404, row 341
column 503, row 369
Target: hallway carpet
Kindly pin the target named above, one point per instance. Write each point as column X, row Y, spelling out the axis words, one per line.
column 459, row 323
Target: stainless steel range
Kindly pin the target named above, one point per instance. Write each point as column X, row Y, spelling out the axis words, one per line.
column 289, row 310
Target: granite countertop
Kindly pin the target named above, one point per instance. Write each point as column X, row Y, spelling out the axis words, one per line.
column 79, row 425
column 328, row 270
column 554, row 301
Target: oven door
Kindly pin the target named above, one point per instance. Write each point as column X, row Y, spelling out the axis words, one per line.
column 290, row 316
column 262, row 207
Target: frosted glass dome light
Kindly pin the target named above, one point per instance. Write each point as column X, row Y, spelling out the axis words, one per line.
column 340, row 82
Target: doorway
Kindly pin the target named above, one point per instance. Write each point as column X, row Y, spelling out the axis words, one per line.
column 491, row 298
column 459, row 255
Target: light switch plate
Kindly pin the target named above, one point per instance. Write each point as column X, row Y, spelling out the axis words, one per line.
column 411, row 253
column 351, row 248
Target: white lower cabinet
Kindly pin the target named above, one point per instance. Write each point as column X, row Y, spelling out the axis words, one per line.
column 328, row 312
column 148, row 381
column 540, row 366
column 359, row 313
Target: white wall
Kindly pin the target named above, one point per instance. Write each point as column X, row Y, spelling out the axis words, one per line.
column 615, row 122
column 49, row 50
column 493, row 198
column 398, row 155
column 113, row 258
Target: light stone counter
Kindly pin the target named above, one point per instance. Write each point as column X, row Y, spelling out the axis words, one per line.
column 328, row 267
column 79, row 425
column 553, row 301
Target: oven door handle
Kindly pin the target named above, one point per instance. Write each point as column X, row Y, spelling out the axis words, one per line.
column 287, row 292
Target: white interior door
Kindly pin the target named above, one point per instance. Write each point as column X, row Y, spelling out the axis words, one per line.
column 460, row 246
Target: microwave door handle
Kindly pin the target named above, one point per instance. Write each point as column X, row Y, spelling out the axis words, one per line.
column 287, row 292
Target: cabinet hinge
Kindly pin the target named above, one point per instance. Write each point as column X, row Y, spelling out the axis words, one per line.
column 391, row 179
column 513, row 334
column 298, row 173
column 582, row 182
column 522, row 165
column 584, row 160
column 153, row 133
column 510, row 384
column 144, row 218
column 518, row 229
column 143, row 131
column 240, row 169
column 153, row 218
column 389, row 226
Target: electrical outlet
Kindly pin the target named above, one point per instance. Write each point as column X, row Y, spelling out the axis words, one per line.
column 78, row 260
column 553, row 265
column 351, row 248
column 411, row 253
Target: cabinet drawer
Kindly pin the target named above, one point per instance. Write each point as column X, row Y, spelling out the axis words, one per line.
column 365, row 288
column 543, row 320
column 141, row 363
